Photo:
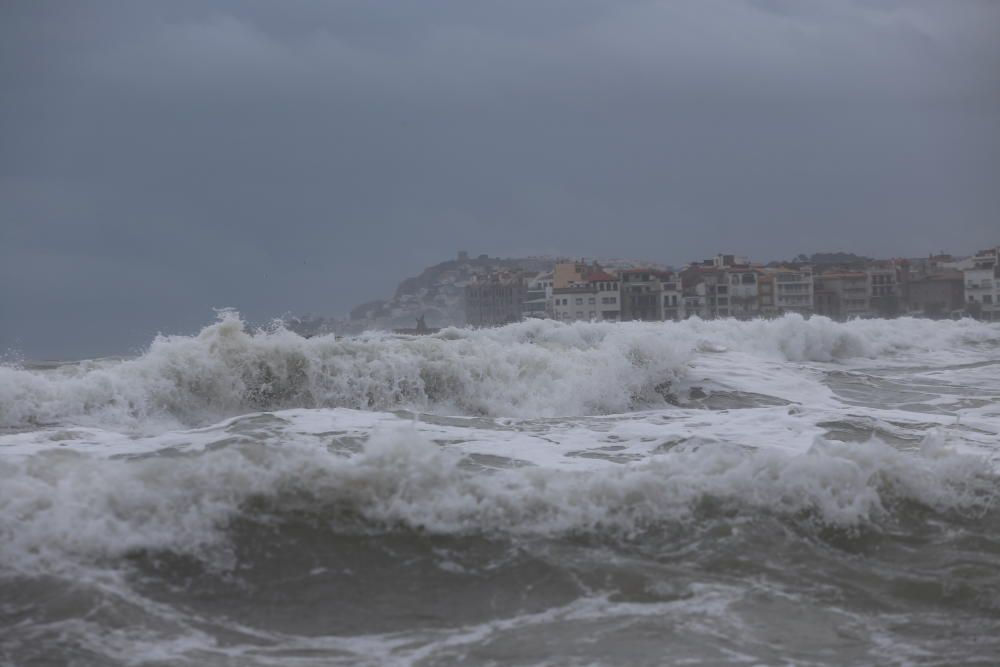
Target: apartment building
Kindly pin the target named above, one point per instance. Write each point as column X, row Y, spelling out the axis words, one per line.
column 495, row 299
column 842, row 295
column 765, row 294
column 884, row 292
column 673, row 297
column 705, row 291
column 743, row 294
column 566, row 274
column 607, row 293
column 723, row 286
column 575, row 303
column 936, row 295
column 596, row 296
column 641, row 295
column 716, row 289
column 729, row 286
column 793, row 291
column 538, row 295
column 982, row 285
column 931, row 286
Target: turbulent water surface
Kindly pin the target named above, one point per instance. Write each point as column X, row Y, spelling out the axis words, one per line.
column 770, row 492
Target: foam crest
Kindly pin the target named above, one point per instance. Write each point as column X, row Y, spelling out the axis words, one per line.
column 794, row 338
column 531, row 369
column 59, row 506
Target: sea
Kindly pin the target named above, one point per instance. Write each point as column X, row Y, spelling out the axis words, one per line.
column 771, row 492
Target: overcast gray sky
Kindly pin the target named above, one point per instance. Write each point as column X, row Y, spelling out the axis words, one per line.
column 159, row 159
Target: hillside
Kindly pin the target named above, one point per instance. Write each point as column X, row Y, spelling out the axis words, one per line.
column 437, row 294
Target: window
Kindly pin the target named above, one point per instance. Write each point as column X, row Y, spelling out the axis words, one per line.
column 593, row 314
column 579, row 301
column 591, row 301
column 987, row 298
column 579, row 314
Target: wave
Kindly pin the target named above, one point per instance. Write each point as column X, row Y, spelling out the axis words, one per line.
column 530, row 369
column 62, row 506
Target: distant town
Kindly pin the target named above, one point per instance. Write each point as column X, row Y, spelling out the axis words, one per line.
column 484, row 291
column 837, row 285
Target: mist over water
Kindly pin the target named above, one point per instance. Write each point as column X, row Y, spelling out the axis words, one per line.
column 783, row 491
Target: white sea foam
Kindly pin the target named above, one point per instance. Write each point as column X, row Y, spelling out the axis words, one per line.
column 98, row 462
column 60, row 506
column 540, row 368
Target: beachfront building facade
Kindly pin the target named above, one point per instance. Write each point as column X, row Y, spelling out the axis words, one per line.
column 495, row 299
column 982, row 285
column 538, row 295
column 793, row 290
column 934, row 286
column 883, row 284
column 672, row 294
column 594, row 295
column 743, row 295
column 641, row 295
column 842, row 295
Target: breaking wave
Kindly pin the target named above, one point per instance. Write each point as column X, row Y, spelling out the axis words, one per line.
column 539, row 368
column 60, row 506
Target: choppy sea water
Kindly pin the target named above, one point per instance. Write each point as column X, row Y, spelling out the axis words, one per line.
column 700, row 493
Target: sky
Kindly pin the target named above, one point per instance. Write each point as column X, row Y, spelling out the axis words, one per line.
column 159, row 160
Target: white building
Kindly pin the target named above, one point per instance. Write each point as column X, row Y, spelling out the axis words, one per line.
column 705, row 292
column 744, row 301
column 884, row 292
column 537, row 301
column 673, row 297
column 607, row 295
column 842, row 295
column 982, row 285
column 793, row 291
column 596, row 297
column 576, row 303
column 696, row 301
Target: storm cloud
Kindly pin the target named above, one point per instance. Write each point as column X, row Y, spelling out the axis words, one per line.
column 158, row 160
